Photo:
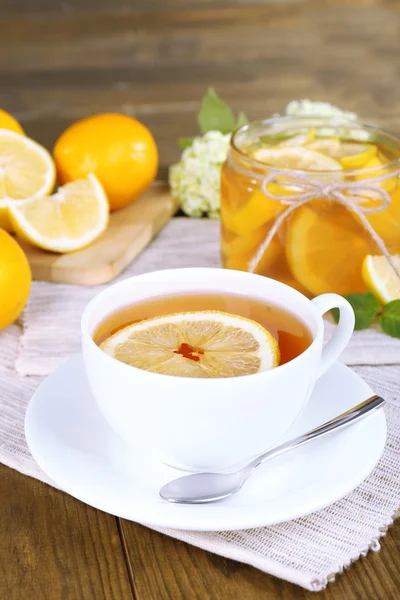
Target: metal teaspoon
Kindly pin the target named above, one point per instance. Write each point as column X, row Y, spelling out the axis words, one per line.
column 209, row 487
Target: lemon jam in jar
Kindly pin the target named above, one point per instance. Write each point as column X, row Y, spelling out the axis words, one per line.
column 306, row 200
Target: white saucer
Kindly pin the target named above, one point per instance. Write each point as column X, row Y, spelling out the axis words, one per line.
column 76, row 448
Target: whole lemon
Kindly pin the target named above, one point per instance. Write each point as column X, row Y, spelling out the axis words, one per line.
column 7, row 121
column 15, row 279
column 119, row 150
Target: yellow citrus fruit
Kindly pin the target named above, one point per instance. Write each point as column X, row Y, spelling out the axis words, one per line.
column 293, row 157
column 377, row 165
column 119, row 150
column 356, row 156
column 7, row 121
column 299, row 140
column 258, row 210
column 241, row 262
column 206, row 344
column 26, row 170
column 386, row 222
column 239, row 245
column 15, row 279
column 68, row 220
column 380, row 278
column 328, row 146
column 325, row 253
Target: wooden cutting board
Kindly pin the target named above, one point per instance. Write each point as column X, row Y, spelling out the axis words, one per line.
column 129, row 231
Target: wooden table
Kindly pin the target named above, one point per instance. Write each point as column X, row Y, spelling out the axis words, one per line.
column 153, row 59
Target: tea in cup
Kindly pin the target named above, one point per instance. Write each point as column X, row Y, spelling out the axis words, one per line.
column 211, row 395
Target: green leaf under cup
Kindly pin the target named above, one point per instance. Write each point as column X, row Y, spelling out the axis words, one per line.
column 390, row 318
column 366, row 307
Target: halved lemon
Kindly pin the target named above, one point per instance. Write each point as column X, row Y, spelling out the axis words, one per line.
column 68, row 220
column 325, row 251
column 26, row 171
column 205, row 344
column 380, row 278
column 293, row 157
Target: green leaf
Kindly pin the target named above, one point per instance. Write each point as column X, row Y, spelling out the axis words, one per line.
column 215, row 114
column 366, row 307
column 390, row 318
column 241, row 120
column 185, row 142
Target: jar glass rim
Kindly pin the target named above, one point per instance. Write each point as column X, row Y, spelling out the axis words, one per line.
column 316, row 121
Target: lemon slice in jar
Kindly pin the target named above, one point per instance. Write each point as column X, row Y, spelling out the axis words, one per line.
column 325, row 253
column 380, row 278
column 205, row 344
column 355, row 155
column 328, row 146
column 376, row 166
column 295, row 157
column 299, row 140
column 260, row 209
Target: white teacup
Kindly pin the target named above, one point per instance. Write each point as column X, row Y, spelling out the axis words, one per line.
column 208, row 424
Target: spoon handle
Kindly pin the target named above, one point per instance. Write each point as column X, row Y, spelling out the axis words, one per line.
column 339, row 422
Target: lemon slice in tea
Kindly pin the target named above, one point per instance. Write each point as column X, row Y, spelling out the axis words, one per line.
column 205, row 344
column 380, row 278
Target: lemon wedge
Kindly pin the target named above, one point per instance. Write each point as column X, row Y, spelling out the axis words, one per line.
column 293, row 157
column 26, row 171
column 205, row 344
column 68, row 220
column 380, row 278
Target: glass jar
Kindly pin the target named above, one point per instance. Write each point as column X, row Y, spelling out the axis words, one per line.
column 305, row 200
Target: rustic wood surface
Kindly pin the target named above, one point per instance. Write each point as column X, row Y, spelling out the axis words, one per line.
column 62, row 60
column 130, row 230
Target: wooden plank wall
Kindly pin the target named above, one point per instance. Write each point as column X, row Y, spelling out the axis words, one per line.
column 154, row 59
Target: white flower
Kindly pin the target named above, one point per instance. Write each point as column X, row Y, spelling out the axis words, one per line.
column 318, row 109
column 195, row 179
column 307, row 108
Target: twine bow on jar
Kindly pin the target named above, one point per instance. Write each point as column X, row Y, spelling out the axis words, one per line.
column 349, row 194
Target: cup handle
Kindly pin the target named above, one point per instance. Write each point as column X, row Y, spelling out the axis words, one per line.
column 343, row 331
